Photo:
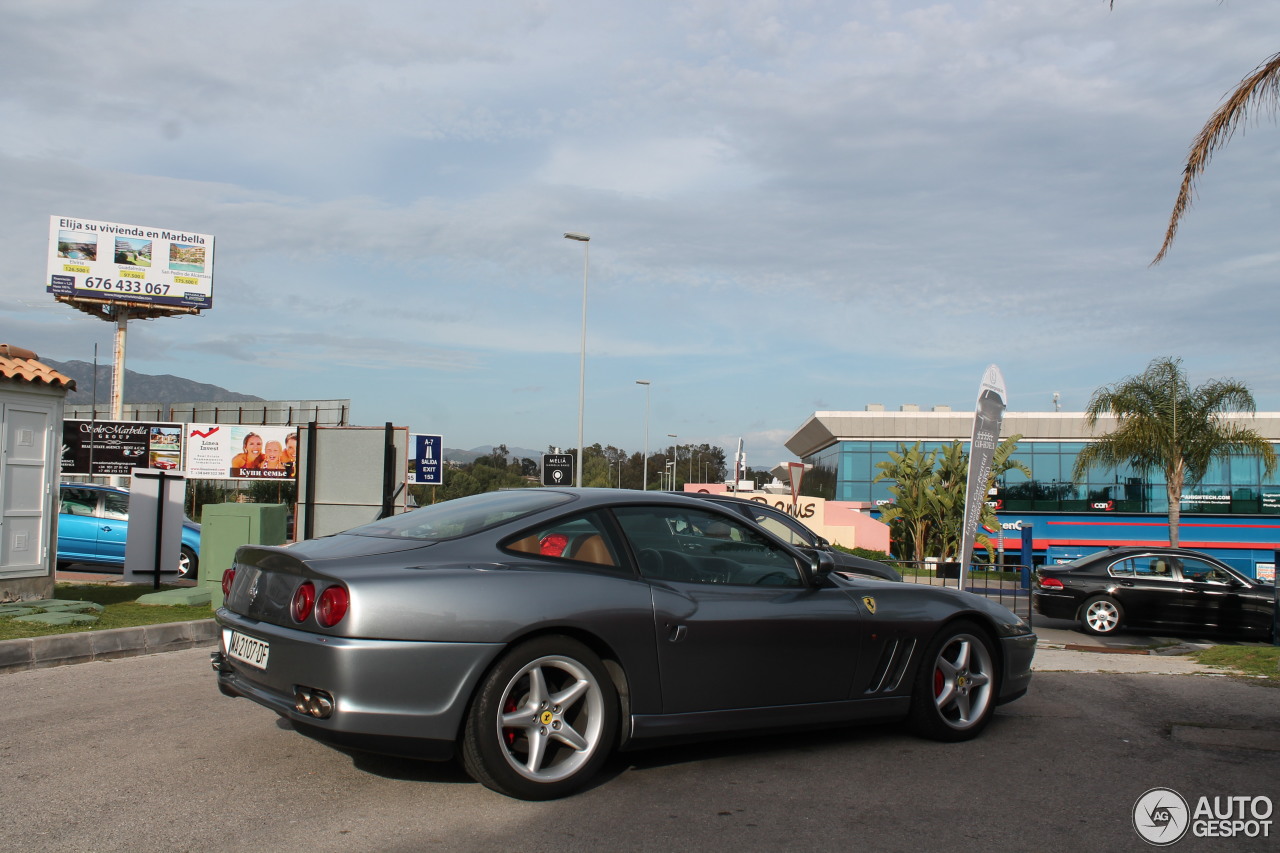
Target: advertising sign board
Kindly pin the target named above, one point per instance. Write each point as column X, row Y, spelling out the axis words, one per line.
column 428, row 460
column 232, row 452
column 988, row 414
column 129, row 263
column 106, row 448
column 557, row 469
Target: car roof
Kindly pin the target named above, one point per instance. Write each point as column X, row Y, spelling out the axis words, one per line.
column 100, row 486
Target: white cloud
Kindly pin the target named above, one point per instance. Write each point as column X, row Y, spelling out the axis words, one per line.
column 789, row 201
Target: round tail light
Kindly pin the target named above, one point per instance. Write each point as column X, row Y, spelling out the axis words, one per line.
column 333, row 605
column 228, row 577
column 303, row 600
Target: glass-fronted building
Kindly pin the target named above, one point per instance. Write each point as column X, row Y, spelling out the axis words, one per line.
column 1234, row 512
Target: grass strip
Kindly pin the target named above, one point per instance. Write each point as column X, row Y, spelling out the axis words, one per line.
column 1261, row 661
column 120, row 610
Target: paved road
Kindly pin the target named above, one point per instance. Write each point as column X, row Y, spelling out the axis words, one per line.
column 143, row 754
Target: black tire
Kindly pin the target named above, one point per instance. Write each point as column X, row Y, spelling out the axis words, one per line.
column 188, row 564
column 1101, row 616
column 956, row 685
column 543, row 721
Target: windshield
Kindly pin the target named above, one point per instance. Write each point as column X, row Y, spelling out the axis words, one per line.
column 463, row 516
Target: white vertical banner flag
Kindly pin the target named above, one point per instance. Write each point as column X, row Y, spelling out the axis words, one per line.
column 982, row 447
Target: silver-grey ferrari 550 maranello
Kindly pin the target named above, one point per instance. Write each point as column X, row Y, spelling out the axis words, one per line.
column 533, row 632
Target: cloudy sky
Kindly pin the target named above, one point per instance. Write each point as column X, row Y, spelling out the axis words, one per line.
column 793, row 206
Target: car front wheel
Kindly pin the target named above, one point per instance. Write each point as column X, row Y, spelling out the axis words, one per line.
column 188, row 564
column 1101, row 615
column 955, row 689
column 543, row 721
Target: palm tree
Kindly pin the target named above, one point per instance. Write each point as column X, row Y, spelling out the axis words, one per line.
column 1163, row 424
column 948, row 488
column 910, row 516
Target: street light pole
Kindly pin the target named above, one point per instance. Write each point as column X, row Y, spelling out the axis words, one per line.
column 674, row 448
column 644, row 460
column 582, row 358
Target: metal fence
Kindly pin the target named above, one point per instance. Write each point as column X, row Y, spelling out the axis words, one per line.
column 1009, row 584
column 261, row 413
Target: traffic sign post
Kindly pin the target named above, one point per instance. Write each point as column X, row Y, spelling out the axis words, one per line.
column 557, row 469
column 428, row 461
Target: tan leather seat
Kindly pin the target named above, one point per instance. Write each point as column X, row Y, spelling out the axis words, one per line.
column 591, row 549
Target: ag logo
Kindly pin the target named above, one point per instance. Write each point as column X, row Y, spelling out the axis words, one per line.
column 870, row 602
column 1161, row 816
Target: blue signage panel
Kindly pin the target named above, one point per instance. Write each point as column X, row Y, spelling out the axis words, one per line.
column 428, row 460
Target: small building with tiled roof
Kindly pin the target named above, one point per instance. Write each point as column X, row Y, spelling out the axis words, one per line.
column 32, row 396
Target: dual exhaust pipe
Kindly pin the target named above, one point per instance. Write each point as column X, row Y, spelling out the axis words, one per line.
column 306, row 700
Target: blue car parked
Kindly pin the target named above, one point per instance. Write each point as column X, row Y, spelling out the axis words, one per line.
column 93, row 523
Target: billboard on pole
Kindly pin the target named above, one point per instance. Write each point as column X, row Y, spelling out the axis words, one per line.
column 113, row 448
column 227, row 452
column 94, row 260
column 987, row 416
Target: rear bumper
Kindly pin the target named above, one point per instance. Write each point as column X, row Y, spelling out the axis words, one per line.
column 1055, row 605
column 393, row 696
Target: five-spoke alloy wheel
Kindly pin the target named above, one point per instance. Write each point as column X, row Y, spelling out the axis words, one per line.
column 543, row 721
column 955, row 689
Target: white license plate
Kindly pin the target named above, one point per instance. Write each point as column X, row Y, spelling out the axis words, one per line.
column 248, row 650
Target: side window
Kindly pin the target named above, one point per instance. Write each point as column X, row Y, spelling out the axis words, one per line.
column 774, row 523
column 580, row 539
column 1202, row 572
column 1152, row 567
column 1122, row 569
column 693, row 546
column 79, row 502
column 115, row 506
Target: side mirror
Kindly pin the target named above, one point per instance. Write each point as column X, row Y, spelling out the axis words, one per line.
column 821, row 564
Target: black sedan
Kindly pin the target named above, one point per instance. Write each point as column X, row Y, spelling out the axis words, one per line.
column 792, row 530
column 1159, row 588
column 536, row 631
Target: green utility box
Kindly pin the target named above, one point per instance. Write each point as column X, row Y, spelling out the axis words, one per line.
column 225, row 527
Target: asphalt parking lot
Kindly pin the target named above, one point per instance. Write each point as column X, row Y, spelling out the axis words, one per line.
column 143, row 754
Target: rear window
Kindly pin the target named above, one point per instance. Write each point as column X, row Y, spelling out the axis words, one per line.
column 463, row 516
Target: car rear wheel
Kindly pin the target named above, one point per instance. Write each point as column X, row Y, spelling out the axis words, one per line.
column 1101, row 615
column 955, row 690
column 543, row 721
column 188, row 564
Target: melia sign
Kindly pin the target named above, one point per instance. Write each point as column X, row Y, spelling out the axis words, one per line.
column 110, row 261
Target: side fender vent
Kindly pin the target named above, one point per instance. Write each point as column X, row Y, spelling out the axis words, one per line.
column 892, row 667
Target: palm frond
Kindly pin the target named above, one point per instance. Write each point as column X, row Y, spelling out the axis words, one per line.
column 1260, row 88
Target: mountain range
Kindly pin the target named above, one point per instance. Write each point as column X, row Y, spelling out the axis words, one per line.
column 141, row 387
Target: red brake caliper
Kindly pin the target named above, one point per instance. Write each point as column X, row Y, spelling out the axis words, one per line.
column 507, row 708
column 938, row 682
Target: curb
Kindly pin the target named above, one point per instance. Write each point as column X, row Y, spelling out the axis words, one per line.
column 61, row 649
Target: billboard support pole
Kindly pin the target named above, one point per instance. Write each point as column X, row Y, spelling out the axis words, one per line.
column 117, row 374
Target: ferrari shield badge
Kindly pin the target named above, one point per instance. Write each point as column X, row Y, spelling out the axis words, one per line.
column 870, row 602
